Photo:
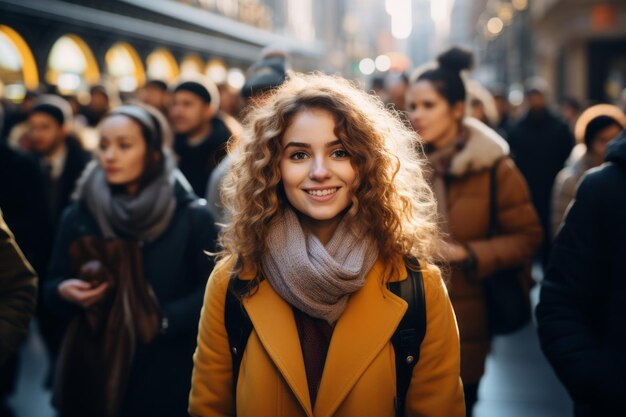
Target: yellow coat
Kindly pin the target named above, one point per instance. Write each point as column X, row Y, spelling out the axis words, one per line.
column 359, row 373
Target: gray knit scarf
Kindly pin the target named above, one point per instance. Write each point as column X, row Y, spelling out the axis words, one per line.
column 143, row 216
column 314, row 278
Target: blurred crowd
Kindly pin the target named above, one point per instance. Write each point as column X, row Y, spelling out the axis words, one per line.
column 143, row 174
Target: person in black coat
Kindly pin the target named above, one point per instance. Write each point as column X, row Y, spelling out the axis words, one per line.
column 134, row 192
column 201, row 132
column 583, row 296
column 61, row 161
column 540, row 144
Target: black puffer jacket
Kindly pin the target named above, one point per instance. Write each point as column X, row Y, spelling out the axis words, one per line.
column 582, row 311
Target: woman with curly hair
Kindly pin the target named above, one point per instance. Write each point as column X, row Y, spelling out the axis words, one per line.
column 328, row 199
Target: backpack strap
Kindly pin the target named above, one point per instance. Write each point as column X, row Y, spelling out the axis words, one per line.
column 406, row 340
column 238, row 327
column 408, row 336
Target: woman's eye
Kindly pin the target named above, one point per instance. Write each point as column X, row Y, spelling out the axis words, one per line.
column 125, row 145
column 340, row 153
column 298, row 155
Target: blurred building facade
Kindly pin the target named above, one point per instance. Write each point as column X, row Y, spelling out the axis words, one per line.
column 74, row 43
column 582, row 51
column 577, row 46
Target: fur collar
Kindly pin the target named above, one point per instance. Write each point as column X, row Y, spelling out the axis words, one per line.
column 483, row 148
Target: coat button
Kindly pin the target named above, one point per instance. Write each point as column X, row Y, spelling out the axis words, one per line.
column 410, row 359
column 234, row 350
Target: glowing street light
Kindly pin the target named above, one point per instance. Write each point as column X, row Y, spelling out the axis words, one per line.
column 383, row 63
column 401, row 17
column 367, row 66
column 505, row 13
column 439, row 10
column 520, row 4
column 495, row 25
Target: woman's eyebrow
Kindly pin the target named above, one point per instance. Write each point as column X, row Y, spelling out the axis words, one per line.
column 306, row 145
column 297, row 145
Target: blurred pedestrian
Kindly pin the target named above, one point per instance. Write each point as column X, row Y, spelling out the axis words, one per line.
column 583, row 295
column 503, row 108
column 18, row 296
column 540, row 144
column 231, row 102
column 155, row 93
column 463, row 153
column 14, row 123
column 201, row 133
column 22, row 198
column 396, row 84
column 327, row 197
column 61, row 162
column 262, row 77
column 131, row 197
column 60, row 153
column 600, row 124
column 482, row 105
column 102, row 98
column 570, row 110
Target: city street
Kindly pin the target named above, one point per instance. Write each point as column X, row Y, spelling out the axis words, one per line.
column 518, row 381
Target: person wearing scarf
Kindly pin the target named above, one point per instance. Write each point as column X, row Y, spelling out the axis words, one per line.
column 462, row 152
column 129, row 260
column 308, row 241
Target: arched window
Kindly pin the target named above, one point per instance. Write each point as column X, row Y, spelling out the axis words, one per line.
column 18, row 70
column 161, row 65
column 216, row 70
column 124, row 67
column 71, row 65
column 192, row 64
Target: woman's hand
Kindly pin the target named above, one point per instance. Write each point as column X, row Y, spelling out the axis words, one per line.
column 81, row 292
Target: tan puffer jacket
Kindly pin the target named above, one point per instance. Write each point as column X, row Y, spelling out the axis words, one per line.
column 468, row 199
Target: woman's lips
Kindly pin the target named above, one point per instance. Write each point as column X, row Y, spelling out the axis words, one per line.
column 323, row 194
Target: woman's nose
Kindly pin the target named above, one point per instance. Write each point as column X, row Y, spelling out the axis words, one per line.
column 108, row 154
column 319, row 170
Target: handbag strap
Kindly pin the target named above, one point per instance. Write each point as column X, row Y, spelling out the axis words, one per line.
column 493, row 200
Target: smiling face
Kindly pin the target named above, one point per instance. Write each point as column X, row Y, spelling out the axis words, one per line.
column 315, row 168
column 122, row 150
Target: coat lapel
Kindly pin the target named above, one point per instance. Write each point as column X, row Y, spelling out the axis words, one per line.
column 365, row 327
column 275, row 326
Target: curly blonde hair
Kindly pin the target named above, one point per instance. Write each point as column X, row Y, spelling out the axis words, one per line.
column 391, row 198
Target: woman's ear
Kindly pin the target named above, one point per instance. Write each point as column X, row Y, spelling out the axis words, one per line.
column 458, row 111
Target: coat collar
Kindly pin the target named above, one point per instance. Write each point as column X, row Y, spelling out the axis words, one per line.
column 365, row 327
column 483, row 148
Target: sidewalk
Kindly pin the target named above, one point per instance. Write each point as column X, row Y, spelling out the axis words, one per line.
column 518, row 381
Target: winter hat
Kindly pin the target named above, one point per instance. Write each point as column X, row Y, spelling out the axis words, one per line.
column 54, row 106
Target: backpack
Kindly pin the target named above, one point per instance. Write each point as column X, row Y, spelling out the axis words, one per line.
column 406, row 340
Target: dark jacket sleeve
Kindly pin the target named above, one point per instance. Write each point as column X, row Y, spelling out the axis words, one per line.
column 183, row 314
column 590, row 372
column 519, row 233
column 59, row 268
column 18, row 293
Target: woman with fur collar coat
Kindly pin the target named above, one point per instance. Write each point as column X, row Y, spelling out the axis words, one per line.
column 462, row 153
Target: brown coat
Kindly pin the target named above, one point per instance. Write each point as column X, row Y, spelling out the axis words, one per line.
column 468, row 197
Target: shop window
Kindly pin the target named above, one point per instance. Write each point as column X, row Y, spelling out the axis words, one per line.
column 124, row 67
column 18, row 70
